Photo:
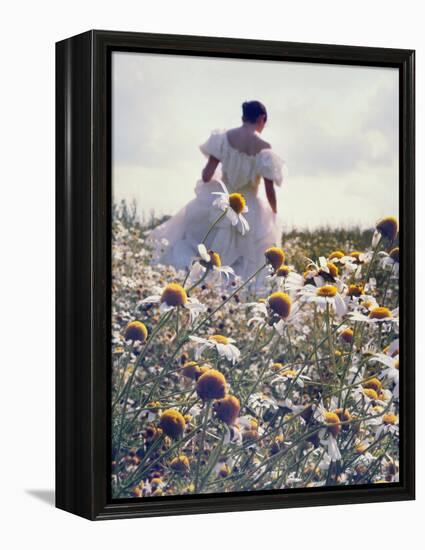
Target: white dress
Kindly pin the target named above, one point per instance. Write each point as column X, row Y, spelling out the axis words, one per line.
column 176, row 240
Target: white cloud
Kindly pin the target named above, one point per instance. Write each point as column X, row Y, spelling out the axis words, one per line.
column 336, row 127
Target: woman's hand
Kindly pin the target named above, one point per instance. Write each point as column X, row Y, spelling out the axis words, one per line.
column 208, row 171
column 271, row 195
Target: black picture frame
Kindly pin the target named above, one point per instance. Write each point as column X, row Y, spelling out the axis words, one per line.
column 83, row 201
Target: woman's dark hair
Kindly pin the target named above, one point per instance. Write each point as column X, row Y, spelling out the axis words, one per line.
column 251, row 110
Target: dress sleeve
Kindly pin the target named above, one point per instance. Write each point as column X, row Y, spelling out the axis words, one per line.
column 271, row 166
column 214, row 145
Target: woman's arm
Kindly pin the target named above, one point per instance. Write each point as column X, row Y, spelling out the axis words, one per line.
column 271, row 195
column 208, row 171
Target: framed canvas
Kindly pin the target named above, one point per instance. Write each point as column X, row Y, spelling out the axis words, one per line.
column 235, row 274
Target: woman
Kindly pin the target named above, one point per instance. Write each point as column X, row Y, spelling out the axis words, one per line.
column 239, row 237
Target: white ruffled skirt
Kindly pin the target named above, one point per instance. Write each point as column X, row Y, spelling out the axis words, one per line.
column 175, row 241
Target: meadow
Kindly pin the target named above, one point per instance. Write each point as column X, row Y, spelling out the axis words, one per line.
column 218, row 389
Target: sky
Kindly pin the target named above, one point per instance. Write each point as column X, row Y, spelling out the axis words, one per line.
column 335, row 126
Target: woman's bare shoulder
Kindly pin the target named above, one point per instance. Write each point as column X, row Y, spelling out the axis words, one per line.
column 262, row 144
column 251, row 144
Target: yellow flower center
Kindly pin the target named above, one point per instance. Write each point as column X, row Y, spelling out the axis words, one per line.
column 388, row 227
column 219, row 339
column 215, row 259
column 136, row 331
column 283, row 271
column 227, row 409
column 333, row 270
column 336, row 255
column 280, row 303
column 211, row 385
column 347, row 335
column 224, row 471
column 373, row 383
column 343, row 415
column 172, row 423
column 237, row 202
column 355, row 290
column 277, row 366
column 389, row 418
column 137, row 492
column 397, row 364
column 275, row 257
column 180, row 464
column 369, row 392
column 333, row 422
column 191, row 370
column 174, row 295
column 357, row 256
column 253, row 424
column 205, row 368
column 395, row 254
column 154, row 405
column 156, row 481
column 326, row 291
column 289, row 373
column 331, row 418
column 380, row 313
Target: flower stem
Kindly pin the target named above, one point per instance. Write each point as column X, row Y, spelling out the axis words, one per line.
column 127, row 387
column 227, row 299
column 202, row 443
column 213, row 225
column 330, row 339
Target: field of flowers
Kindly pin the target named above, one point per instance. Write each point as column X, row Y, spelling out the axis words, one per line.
column 216, row 389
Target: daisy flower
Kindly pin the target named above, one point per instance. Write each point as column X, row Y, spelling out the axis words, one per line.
column 391, row 469
column 279, row 386
column 259, row 309
column 174, row 296
column 387, row 228
column 277, row 311
column 275, row 257
column 377, row 314
column 232, row 434
column 336, row 256
column 330, row 431
column 209, row 261
column 364, row 458
column 356, row 296
column 353, row 262
column 346, row 334
column 294, row 281
column 391, row 373
column 222, row 344
column 367, row 302
column 323, row 272
column 391, row 261
column 259, row 402
column 224, row 467
column 387, row 423
column 286, row 278
column 234, row 204
column 323, row 296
